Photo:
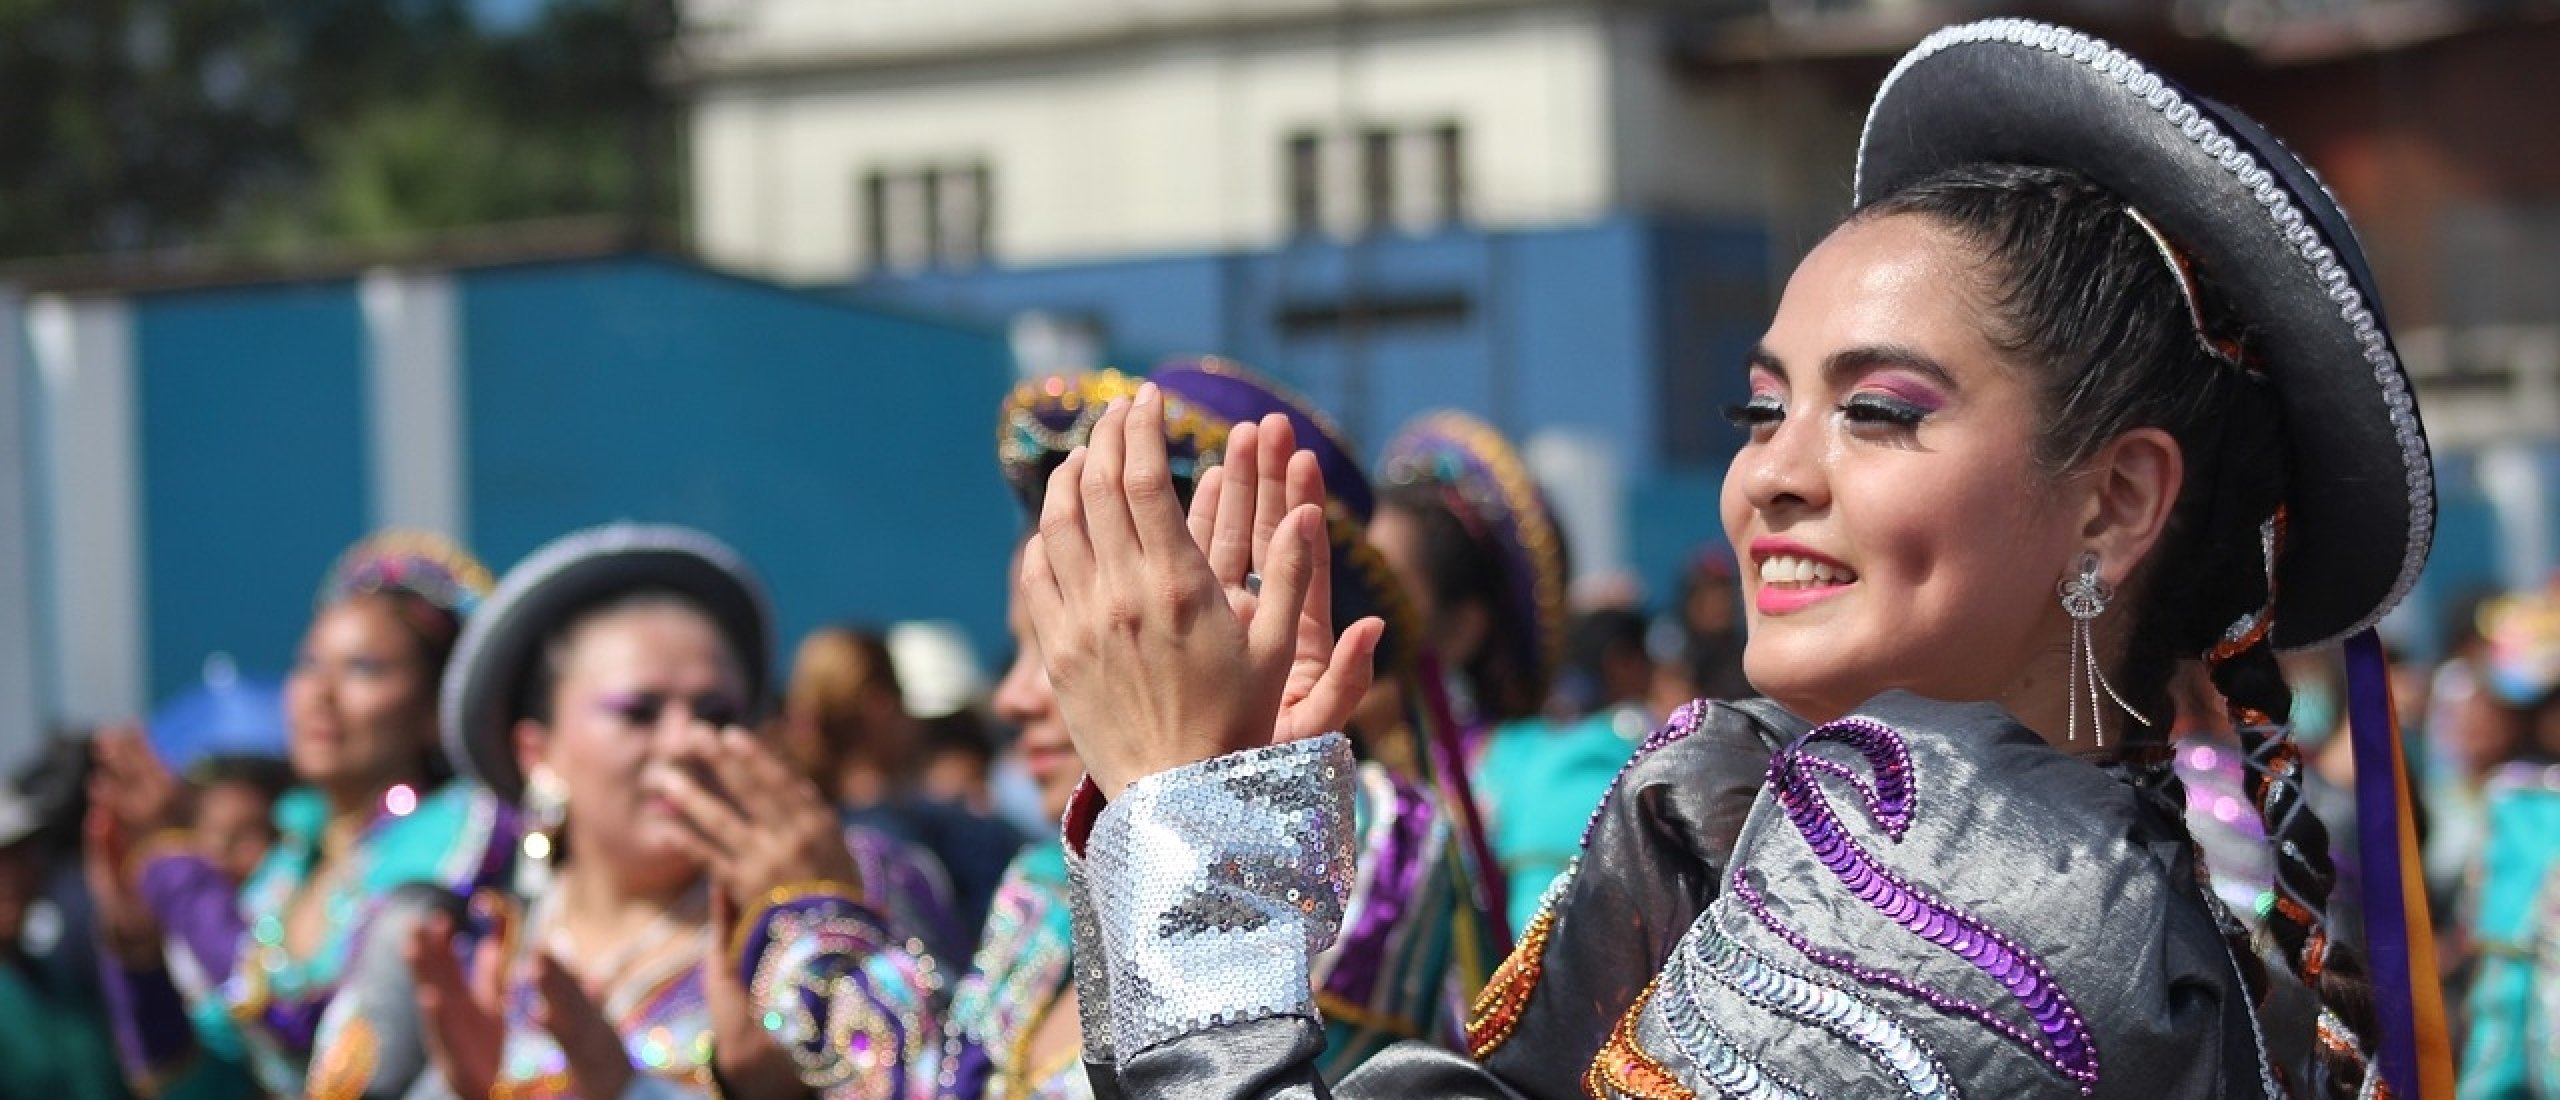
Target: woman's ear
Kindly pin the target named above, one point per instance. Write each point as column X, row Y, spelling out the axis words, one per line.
column 2133, row 485
column 532, row 742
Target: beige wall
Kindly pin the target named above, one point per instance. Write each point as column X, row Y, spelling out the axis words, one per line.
column 1147, row 145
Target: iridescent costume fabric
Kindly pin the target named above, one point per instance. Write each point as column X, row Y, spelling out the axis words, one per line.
column 233, row 995
column 1380, row 983
column 2514, row 1042
column 1925, row 900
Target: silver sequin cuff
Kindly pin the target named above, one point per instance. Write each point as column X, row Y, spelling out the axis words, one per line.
column 1092, row 970
column 1213, row 885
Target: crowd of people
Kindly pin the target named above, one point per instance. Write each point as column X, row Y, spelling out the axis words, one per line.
column 2030, row 737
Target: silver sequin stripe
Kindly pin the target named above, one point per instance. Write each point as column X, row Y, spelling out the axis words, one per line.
column 1215, row 884
column 2318, row 257
column 1717, row 1057
column 1092, row 971
column 1711, row 952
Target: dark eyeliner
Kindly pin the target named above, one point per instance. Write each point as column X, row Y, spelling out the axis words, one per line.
column 1874, row 408
column 1754, row 413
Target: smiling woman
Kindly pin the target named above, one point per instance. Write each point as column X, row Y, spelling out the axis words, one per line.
column 253, row 963
column 2091, row 385
column 604, row 691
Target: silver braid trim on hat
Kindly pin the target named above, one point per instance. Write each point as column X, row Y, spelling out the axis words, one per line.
column 2317, row 256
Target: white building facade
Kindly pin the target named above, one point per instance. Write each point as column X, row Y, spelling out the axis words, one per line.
column 836, row 138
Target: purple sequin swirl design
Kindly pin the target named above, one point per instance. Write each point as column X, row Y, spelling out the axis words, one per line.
column 2065, row 1042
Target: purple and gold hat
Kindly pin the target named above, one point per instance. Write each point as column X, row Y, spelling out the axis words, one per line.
column 1235, row 393
column 1493, row 490
column 415, row 563
column 1045, row 419
column 1363, row 583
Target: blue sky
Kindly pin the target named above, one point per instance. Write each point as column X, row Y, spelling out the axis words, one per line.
column 506, row 14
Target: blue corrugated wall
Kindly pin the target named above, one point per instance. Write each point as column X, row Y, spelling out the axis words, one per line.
column 849, row 453
column 251, row 427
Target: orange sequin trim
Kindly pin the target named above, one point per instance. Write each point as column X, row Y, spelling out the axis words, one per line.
column 344, row 1069
column 2265, row 619
column 1623, row 1069
column 1497, row 1010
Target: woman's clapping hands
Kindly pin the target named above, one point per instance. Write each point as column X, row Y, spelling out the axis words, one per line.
column 1161, row 645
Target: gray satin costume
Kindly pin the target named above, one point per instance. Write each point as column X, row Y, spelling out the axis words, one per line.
column 1920, row 900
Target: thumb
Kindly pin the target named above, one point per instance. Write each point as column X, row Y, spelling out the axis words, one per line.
column 1328, row 705
column 488, row 974
column 597, row 1061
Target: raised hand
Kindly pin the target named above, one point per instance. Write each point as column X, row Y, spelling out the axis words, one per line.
column 1235, row 527
column 466, row 1029
column 1159, row 657
column 751, row 1062
column 599, row 1065
column 132, row 932
column 763, row 828
column 133, row 784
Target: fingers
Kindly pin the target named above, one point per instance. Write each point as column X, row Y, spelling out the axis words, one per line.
column 1306, row 487
column 1107, row 521
column 1274, row 443
column 1337, row 694
column 1297, row 541
column 429, row 953
column 1203, row 517
column 749, row 764
column 489, row 975
column 1231, row 545
column 1037, row 581
column 736, row 761
column 720, row 983
column 1146, row 479
column 708, row 813
column 597, row 1062
column 1062, row 524
column 724, row 917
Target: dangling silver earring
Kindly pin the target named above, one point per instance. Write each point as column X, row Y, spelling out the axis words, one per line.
column 2085, row 596
column 546, row 813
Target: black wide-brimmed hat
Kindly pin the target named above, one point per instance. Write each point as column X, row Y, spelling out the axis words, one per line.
column 578, row 572
column 2360, row 512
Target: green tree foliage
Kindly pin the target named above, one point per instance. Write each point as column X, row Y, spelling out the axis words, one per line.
column 266, row 126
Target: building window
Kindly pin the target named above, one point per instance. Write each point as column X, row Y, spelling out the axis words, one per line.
column 1449, row 159
column 937, row 216
column 875, row 221
column 1380, row 178
column 1305, row 184
column 1377, row 180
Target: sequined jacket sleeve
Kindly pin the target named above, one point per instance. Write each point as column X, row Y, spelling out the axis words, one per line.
column 1921, row 900
column 1650, row 861
column 198, row 908
column 854, row 1000
column 371, row 1040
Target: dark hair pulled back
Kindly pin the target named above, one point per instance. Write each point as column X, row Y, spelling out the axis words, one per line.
column 2084, row 299
column 1462, row 565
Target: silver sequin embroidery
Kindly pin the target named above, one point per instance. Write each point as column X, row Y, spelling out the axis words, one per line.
column 1213, row 885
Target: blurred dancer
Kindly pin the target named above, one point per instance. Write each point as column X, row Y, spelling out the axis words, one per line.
column 249, row 968
column 1469, row 531
column 605, row 690
column 845, row 716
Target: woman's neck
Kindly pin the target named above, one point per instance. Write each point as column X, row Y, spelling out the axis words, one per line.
column 352, row 809
column 595, row 900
